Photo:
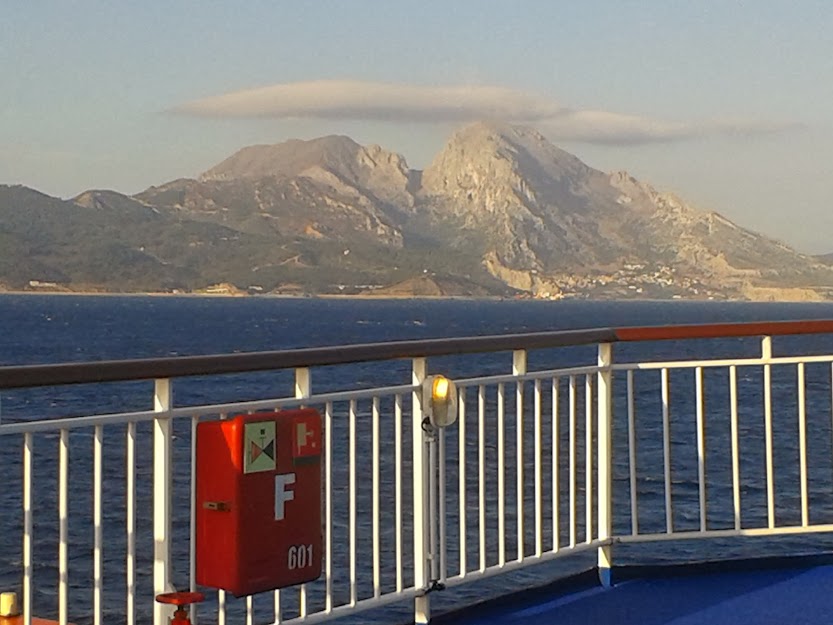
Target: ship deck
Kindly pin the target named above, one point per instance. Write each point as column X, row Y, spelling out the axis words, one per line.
column 760, row 592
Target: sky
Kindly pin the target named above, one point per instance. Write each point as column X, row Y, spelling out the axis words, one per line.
column 728, row 104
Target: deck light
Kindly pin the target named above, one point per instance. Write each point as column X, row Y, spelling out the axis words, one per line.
column 440, row 400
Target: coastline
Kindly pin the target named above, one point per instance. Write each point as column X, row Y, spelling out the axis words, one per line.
column 491, row 298
column 402, row 296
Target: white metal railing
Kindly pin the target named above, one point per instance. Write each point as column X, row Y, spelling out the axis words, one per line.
column 793, row 399
column 527, row 475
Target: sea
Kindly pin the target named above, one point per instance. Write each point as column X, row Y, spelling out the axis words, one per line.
column 71, row 328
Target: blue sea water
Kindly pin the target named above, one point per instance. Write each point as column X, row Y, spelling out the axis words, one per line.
column 48, row 329
column 60, row 328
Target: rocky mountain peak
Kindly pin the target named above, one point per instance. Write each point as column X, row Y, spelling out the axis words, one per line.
column 488, row 163
column 538, row 205
column 496, row 148
column 335, row 161
column 287, row 159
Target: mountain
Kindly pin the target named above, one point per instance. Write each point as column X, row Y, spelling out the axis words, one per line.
column 329, row 188
column 334, row 160
column 103, row 240
column 500, row 211
column 542, row 210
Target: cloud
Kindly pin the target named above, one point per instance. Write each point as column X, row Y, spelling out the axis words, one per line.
column 396, row 102
column 617, row 129
column 358, row 100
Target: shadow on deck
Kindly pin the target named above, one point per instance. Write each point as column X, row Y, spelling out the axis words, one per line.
column 794, row 591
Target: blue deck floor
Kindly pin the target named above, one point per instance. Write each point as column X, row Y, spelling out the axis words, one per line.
column 787, row 596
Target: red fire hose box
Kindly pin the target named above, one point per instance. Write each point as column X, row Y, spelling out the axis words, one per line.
column 258, row 500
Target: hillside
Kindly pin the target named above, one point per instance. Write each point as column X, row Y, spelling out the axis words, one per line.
column 499, row 211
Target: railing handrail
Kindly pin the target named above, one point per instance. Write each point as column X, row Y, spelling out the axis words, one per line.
column 724, row 330
column 24, row 376
column 21, row 376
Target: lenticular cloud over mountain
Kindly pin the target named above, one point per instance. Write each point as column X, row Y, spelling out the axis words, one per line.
column 345, row 99
column 399, row 102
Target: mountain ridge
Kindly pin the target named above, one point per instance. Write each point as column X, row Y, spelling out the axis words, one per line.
column 500, row 210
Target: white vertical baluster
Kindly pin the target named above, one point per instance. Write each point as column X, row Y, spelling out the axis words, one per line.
column 98, row 440
column 221, row 594
column 766, row 355
column 377, row 583
column 588, row 457
column 733, row 403
column 539, row 495
column 605, row 459
column 632, row 456
column 397, row 416
column 461, row 471
column 162, row 484
column 303, row 383
column 481, row 472
column 802, row 442
column 572, row 424
column 352, row 491
column 250, row 610
column 518, row 369
column 130, row 474
column 303, row 389
column 422, row 603
column 701, row 445
column 28, row 526
column 63, row 526
column 278, row 611
column 328, row 505
column 501, row 482
column 221, row 608
column 666, row 450
column 556, row 469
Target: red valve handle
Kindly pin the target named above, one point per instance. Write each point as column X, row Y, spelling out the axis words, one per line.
column 180, row 600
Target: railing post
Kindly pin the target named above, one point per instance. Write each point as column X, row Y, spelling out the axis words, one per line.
column 605, row 461
column 303, row 389
column 162, row 486
column 518, row 369
column 422, row 603
column 303, row 382
column 28, row 526
column 766, row 356
column 63, row 526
